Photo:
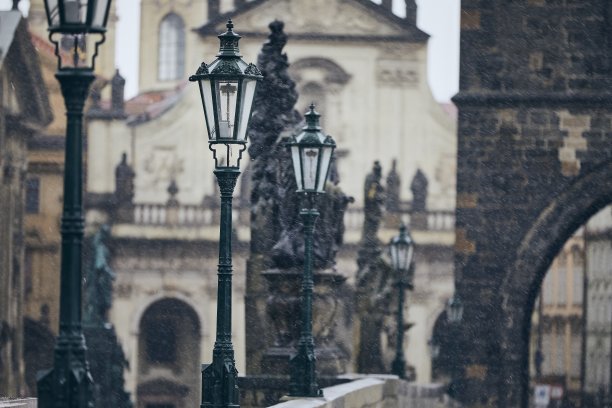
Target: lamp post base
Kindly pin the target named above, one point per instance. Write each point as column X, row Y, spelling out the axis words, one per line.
column 303, row 373
column 68, row 384
column 398, row 367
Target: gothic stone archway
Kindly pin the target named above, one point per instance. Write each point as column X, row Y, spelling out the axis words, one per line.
column 524, row 277
column 534, row 153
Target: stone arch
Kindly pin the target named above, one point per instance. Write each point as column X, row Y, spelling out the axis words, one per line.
column 168, row 354
column 135, row 325
column 557, row 222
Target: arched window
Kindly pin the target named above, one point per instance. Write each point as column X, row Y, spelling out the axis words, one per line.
column 171, row 57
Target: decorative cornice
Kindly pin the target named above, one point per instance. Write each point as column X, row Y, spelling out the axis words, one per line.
column 413, row 33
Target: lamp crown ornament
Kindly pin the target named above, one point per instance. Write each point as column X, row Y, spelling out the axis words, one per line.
column 229, row 42
column 312, row 119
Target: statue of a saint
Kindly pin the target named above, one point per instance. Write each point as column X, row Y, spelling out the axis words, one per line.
column 99, row 280
column 374, row 200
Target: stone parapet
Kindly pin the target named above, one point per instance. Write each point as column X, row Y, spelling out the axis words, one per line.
column 21, row 403
column 380, row 391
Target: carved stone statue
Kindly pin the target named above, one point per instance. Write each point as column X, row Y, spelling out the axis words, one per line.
column 374, row 199
column 419, row 192
column 374, row 280
column 272, row 113
column 393, row 189
column 99, row 280
column 275, row 264
column 289, row 250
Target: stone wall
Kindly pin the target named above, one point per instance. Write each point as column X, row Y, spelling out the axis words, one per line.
column 386, row 391
column 534, row 161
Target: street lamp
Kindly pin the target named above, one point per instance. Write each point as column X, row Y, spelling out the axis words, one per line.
column 227, row 87
column 69, row 384
column 311, row 153
column 401, row 249
column 454, row 309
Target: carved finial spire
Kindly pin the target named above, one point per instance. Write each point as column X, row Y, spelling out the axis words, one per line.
column 229, row 42
column 312, row 118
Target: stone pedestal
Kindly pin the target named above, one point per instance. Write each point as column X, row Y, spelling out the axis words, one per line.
column 331, row 321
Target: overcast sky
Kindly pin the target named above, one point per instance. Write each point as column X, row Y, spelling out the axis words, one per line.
column 439, row 18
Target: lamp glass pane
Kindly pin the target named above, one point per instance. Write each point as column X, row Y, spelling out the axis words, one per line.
column 297, row 168
column 227, row 97
column 310, row 160
column 52, row 12
column 406, row 256
column 246, row 102
column 99, row 16
column 394, row 256
column 207, row 103
column 324, row 163
column 402, row 255
column 74, row 11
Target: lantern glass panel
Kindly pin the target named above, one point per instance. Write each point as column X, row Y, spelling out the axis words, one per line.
column 297, row 168
column 207, row 103
column 310, row 165
column 52, row 12
column 227, row 97
column 454, row 310
column 74, row 12
column 246, row 102
column 324, row 164
column 99, row 16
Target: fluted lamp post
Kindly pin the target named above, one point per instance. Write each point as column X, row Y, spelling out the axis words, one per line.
column 227, row 87
column 401, row 249
column 311, row 153
column 74, row 27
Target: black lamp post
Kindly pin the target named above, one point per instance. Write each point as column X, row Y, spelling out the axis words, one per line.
column 311, row 152
column 401, row 249
column 227, row 88
column 69, row 384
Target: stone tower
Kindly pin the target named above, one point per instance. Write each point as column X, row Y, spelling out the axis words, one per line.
column 534, row 163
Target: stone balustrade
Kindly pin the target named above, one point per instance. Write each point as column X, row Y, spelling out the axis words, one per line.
column 201, row 216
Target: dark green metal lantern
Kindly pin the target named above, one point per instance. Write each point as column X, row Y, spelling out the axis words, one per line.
column 454, row 309
column 227, row 90
column 401, row 249
column 77, row 16
column 311, row 152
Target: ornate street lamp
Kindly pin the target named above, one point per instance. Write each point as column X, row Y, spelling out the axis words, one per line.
column 311, row 153
column 227, row 87
column 454, row 309
column 69, row 384
column 401, row 249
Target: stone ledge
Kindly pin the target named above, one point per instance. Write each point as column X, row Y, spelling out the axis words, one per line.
column 367, row 391
column 21, row 403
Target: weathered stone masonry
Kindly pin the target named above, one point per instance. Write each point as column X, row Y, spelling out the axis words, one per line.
column 534, row 163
